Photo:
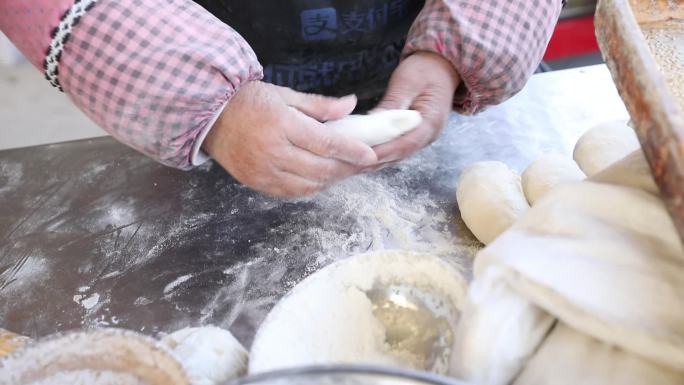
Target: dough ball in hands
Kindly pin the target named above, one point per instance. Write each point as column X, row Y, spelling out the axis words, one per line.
column 379, row 127
column 209, row 355
column 604, row 145
column 548, row 172
column 490, row 199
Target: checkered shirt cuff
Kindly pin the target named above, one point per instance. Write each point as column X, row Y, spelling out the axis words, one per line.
column 154, row 73
column 494, row 45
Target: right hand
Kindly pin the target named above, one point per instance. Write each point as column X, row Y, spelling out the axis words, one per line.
column 271, row 139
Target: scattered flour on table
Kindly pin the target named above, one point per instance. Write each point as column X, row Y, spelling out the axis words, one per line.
column 121, row 213
column 88, row 302
column 23, row 273
column 10, row 175
column 387, row 217
column 362, row 214
column 365, row 213
column 111, row 275
column 175, row 283
column 142, row 301
column 94, row 169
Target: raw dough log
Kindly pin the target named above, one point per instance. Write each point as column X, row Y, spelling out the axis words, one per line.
column 548, row 172
column 209, row 355
column 379, row 127
column 330, row 317
column 490, row 198
column 604, row 145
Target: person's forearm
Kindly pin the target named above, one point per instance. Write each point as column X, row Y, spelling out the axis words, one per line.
column 153, row 73
column 495, row 46
column 29, row 25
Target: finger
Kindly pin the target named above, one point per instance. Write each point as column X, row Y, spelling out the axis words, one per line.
column 379, row 167
column 315, row 137
column 319, row 107
column 434, row 105
column 315, row 168
column 288, row 185
column 406, row 145
column 394, row 100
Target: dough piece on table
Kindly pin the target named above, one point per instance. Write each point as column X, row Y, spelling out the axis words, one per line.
column 606, row 260
column 497, row 333
column 490, row 199
column 631, row 171
column 604, row 145
column 379, row 127
column 547, row 172
column 568, row 357
column 391, row 308
column 209, row 355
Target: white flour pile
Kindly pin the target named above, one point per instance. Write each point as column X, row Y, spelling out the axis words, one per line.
column 331, row 317
column 388, row 215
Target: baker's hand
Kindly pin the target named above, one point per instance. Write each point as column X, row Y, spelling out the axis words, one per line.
column 270, row 138
column 425, row 82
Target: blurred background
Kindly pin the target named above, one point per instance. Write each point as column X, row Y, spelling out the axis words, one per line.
column 33, row 113
column 573, row 43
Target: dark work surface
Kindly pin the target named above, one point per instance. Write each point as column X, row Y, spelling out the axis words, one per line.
column 97, row 220
column 94, row 234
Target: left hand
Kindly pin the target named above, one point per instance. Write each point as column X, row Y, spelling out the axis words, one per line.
column 425, row 82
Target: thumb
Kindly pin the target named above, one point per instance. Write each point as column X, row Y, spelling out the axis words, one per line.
column 319, row 107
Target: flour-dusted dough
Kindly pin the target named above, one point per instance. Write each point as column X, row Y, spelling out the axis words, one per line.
column 604, row 260
column 497, row 333
column 330, row 317
column 547, row 172
column 631, row 171
column 490, row 199
column 604, row 145
column 568, row 355
column 209, row 355
column 379, row 127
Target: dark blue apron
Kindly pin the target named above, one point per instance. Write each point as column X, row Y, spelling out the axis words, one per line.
column 331, row 47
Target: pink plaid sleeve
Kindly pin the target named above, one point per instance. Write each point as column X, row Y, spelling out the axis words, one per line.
column 153, row 73
column 494, row 45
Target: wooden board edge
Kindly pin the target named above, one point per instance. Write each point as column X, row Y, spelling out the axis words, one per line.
column 657, row 119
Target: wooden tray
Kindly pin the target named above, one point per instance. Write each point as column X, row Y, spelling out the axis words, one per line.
column 642, row 42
